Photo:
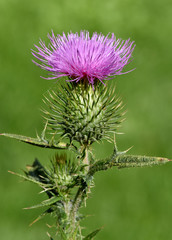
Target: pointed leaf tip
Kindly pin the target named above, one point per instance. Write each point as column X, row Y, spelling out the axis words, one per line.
column 127, row 161
column 45, row 203
column 11, row 172
column 40, row 216
column 92, row 234
column 36, row 141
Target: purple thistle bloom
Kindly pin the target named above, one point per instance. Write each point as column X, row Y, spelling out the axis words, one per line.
column 81, row 57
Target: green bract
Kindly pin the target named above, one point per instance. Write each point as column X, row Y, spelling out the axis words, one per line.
column 83, row 114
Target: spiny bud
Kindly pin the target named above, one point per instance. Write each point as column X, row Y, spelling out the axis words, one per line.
column 63, row 170
column 83, row 114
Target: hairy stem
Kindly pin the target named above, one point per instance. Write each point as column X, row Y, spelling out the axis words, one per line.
column 79, row 197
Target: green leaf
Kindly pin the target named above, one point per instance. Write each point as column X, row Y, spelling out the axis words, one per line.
column 92, row 234
column 37, row 141
column 29, row 179
column 49, row 210
column 127, row 161
column 46, row 203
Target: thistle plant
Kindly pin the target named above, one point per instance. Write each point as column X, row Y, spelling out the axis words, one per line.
column 82, row 108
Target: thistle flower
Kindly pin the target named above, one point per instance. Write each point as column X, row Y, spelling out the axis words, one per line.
column 81, row 57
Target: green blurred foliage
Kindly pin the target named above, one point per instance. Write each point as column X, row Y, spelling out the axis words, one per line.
column 130, row 204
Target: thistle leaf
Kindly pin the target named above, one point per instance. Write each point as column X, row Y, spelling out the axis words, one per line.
column 46, row 203
column 41, row 216
column 92, row 234
column 29, row 179
column 37, row 141
column 37, row 171
column 127, row 161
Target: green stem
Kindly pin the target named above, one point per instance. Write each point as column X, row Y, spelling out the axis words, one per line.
column 79, row 197
column 81, row 192
column 103, row 164
column 86, row 160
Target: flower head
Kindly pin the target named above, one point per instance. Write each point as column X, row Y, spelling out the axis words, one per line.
column 81, row 57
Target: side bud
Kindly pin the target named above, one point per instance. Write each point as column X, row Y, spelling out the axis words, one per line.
column 83, row 114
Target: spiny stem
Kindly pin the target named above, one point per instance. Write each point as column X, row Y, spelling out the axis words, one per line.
column 79, row 197
column 86, row 160
column 82, row 190
column 102, row 164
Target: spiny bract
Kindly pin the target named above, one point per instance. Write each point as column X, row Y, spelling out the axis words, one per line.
column 82, row 114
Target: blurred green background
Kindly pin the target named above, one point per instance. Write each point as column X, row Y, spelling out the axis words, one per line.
column 130, row 203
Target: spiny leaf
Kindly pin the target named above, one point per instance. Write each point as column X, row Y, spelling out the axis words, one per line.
column 30, row 179
column 37, row 172
column 46, row 203
column 41, row 216
column 92, row 234
column 36, row 141
column 127, row 161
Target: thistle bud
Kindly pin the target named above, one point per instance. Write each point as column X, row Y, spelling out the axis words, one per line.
column 83, row 114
